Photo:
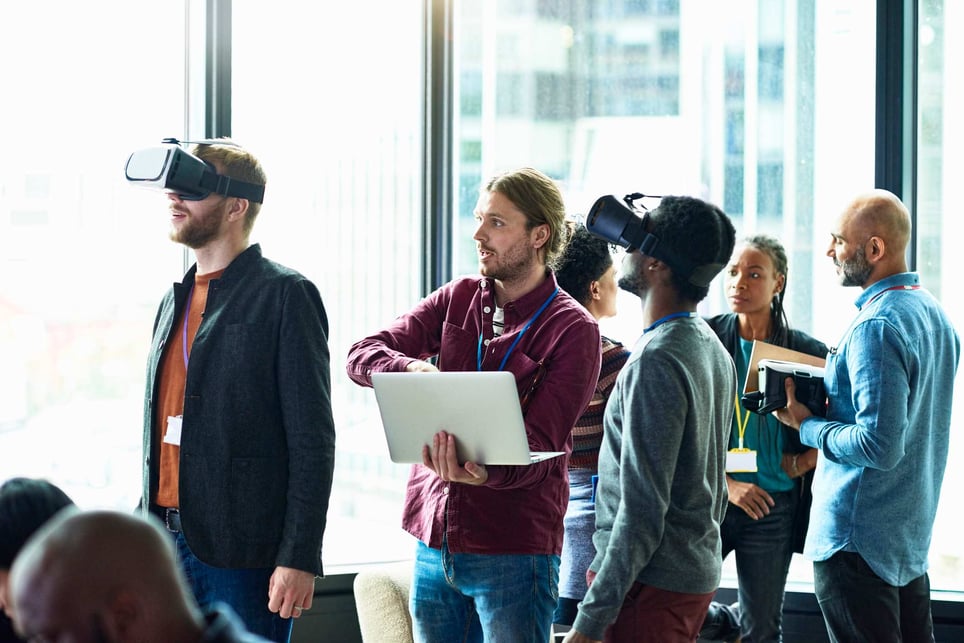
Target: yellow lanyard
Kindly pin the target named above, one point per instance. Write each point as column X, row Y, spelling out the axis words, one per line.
column 740, row 423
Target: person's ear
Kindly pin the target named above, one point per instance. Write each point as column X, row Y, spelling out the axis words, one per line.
column 540, row 235
column 594, row 290
column 238, row 208
column 781, row 283
column 875, row 249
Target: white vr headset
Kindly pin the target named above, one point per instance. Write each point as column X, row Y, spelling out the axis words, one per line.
column 169, row 168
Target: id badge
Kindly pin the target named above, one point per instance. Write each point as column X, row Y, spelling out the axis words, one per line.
column 740, row 461
column 173, row 433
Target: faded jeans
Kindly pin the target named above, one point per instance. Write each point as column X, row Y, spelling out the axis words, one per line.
column 470, row 598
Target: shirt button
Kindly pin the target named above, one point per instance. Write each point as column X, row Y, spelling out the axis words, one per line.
column 445, row 490
column 486, row 310
column 486, row 342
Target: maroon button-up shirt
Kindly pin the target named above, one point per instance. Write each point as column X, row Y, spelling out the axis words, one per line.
column 519, row 510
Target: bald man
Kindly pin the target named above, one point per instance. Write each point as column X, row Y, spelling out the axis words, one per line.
column 106, row 576
column 883, row 445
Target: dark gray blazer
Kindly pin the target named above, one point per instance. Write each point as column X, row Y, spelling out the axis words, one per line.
column 258, row 438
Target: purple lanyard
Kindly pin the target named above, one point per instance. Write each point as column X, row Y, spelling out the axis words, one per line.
column 187, row 314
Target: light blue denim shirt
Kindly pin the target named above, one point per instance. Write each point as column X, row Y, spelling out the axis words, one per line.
column 883, row 445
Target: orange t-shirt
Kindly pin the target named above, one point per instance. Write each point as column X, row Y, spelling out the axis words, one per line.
column 170, row 395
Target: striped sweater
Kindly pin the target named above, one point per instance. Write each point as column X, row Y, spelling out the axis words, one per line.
column 588, row 432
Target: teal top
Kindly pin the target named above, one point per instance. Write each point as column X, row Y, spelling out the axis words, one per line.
column 763, row 434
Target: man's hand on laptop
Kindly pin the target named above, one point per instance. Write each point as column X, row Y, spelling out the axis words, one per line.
column 419, row 366
column 442, row 459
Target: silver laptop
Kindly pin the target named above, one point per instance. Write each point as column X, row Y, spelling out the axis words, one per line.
column 481, row 409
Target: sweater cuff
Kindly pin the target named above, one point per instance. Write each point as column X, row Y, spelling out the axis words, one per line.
column 589, row 626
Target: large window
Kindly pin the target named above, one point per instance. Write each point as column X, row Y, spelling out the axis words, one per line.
column 330, row 100
column 85, row 257
column 940, row 135
column 726, row 109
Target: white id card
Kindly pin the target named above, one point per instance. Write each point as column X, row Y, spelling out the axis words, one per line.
column 173, row 433
column 740, row 461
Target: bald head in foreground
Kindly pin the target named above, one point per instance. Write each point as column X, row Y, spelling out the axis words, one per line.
column 108, row 576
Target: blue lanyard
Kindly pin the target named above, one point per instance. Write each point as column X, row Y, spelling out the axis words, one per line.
column 478, row 352
column 670, row 317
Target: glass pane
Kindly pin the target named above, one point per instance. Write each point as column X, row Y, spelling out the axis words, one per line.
column 740, row 103
column 940, row 137
column 85, row 256
column 330, row 101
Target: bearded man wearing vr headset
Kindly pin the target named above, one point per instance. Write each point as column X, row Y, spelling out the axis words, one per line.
column 238, row 430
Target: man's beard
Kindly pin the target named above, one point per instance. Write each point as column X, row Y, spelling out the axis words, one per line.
column 856, row 270
column 632, row 282
column 514, row 263
column 199, row 231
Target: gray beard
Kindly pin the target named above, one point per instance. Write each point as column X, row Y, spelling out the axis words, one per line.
column 855, row 271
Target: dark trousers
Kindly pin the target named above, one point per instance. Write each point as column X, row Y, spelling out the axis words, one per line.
column 858, row 605
column 244, row 590
column 763, row 549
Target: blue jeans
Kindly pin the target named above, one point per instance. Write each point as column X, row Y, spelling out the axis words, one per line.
column 763, row 549
column 245, row 590
column 577, row 548
column 858, row 605
column 504, row 598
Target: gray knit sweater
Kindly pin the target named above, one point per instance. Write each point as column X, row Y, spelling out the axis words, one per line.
column 662, row 487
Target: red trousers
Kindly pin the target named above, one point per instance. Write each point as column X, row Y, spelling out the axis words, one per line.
column 652, row 615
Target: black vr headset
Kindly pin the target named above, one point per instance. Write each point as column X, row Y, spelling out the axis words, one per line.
column 625, row 226
column 170, row 168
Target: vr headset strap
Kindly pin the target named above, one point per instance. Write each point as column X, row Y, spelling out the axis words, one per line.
column 226, row 186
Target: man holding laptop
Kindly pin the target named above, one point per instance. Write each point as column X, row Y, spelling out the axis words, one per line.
column 490, row 536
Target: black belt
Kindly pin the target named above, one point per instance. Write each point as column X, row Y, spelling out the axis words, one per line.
column 172, row 519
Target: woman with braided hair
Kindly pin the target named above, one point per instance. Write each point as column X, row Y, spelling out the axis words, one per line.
column 766, row 520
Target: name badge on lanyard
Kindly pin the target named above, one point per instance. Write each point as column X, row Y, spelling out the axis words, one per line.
column 740, row 460
column 173, row 433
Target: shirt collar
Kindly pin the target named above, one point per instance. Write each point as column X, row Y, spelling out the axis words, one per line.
column 893, row 281
column 527, row 304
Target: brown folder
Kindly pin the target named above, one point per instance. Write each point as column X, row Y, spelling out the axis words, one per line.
column 763, row 350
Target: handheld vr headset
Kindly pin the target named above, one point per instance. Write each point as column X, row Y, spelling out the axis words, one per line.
column 772, row 395
column 171, row 169
column 625, row 226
